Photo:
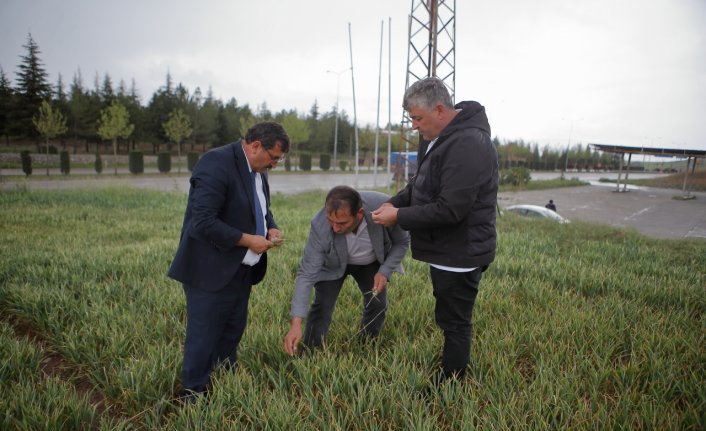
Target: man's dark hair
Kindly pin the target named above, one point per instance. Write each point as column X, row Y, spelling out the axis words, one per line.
column 269, row 133
column 426, row 93
column 341, row 197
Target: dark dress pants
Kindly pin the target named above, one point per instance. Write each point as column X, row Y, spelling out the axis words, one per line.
column 455, row 294
column 318, row 320
column 215, row 322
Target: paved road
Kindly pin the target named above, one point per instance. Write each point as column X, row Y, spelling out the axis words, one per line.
column 287, row 184
column 652, row 212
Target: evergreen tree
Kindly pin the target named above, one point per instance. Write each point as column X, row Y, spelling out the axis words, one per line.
column 6, row 99
column 232, row 115
column 264, row 113
column 163, row 102
column 314, row 111
column 314, row 123
column 106, row 92
column 32, row 88
column 61, row 102
column 221, row 126
column 206, row 123
column 131, row 100
column 192, row 111
column 82, row 117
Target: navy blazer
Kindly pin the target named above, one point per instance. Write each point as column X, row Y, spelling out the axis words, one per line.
column 220, row 209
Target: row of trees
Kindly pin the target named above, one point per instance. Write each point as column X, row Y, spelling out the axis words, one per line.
column 212, row 121
column 525, row 154
column 108, row 114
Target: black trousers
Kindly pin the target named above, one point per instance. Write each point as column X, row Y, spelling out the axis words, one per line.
column 318, row 320
column 455, row 294
column 215, row 323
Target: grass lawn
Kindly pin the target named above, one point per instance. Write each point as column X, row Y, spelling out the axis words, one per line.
column 576, row 326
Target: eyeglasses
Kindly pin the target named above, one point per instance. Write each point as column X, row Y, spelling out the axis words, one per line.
column 275, row 159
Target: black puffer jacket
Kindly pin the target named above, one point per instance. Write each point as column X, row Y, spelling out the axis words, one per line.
column 449, row 207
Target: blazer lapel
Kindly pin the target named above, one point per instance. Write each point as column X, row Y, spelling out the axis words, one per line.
column 341, row 246
column 241, row 165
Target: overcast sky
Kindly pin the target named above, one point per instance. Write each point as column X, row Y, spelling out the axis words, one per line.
column 624, row 72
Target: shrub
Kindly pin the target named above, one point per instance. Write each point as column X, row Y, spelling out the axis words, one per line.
column 515, row 176
column 191, row 158
column 342, row 165
column 325, row 162
column 305, row 162
column 26, row 162
column 64, row 162
column 164, row 162
column 98, row 164
column 136, row 162
column 288, row 164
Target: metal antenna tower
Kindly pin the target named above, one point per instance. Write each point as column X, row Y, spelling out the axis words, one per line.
column 431, row 50
column 432, row 42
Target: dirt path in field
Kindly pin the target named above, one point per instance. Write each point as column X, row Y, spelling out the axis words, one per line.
column 54, row 365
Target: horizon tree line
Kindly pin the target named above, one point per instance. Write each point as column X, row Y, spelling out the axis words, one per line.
column 213, row 122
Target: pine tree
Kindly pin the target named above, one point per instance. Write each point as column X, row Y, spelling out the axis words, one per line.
column 84, row 111
column 32, row 88
column 61, row 101
column 107, row 95
column 6, row 96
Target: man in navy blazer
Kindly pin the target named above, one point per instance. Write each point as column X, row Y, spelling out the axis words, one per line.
column 228, row 227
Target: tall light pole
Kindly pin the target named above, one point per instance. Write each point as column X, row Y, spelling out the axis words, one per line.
column 355, row 115
column 568, row 145
column 335, row 132
column 377, row 126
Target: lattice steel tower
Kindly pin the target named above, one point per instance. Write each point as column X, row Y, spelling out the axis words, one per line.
column 431, row 50
column 432, row 42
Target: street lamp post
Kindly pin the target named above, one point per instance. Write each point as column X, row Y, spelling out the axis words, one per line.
column 568, row 145
column 335, row 132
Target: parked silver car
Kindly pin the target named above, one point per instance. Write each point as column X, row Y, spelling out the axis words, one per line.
column 535, row 211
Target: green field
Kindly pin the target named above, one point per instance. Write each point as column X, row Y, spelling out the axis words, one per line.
column 576, row 326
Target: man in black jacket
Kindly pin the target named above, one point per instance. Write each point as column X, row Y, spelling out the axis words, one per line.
column 449, row 209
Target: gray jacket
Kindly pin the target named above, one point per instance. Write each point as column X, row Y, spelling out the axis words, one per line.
column 326, row 253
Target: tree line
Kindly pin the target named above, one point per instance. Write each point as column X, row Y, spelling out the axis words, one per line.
column 80, row 117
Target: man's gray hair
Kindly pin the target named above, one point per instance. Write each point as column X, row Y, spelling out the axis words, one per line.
column 426, row 93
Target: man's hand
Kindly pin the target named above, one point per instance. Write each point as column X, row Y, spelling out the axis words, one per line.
column 276, row 236
column 291, row 340
column 386, row 215
column 258, row 244
column 379, row 283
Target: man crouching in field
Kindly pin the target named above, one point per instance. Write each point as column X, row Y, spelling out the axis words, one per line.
column 344, row 241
